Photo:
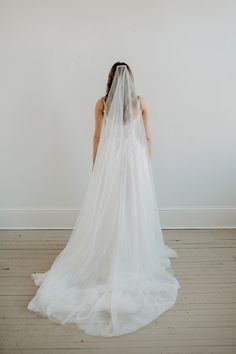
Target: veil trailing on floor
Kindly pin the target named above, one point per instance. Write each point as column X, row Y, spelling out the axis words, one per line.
column 114, row 274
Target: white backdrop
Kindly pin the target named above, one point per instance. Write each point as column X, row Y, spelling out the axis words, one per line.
column 54, row 62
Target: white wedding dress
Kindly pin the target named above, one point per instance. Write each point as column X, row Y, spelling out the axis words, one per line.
column 114, row 276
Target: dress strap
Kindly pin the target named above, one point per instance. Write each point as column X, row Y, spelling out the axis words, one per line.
column 139, row 102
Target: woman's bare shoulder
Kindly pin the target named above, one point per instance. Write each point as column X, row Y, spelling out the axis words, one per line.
column 100, row 104
column 100, row 101
column 143, row 103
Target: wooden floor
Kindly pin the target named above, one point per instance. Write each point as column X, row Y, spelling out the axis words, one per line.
column 203, row 319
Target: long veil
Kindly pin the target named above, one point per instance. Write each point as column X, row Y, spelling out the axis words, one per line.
column 114, row 275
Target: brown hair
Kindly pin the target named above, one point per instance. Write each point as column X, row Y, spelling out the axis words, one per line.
column 111, row 76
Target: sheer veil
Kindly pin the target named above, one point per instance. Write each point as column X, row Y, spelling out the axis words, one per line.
column 123, row 126
column 122, row 101
column 114, row 274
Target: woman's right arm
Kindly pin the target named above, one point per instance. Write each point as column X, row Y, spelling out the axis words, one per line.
column 146, row 121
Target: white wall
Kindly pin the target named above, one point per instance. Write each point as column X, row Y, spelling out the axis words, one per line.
column 55, row 57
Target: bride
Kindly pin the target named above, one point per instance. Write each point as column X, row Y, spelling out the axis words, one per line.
column 114, row 275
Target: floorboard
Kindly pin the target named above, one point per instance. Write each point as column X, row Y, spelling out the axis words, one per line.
column 203, row 320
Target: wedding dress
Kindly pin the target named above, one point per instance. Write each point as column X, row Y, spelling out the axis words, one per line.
column 114, row 275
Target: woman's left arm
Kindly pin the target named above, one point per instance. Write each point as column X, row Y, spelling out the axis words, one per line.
column 98, row 127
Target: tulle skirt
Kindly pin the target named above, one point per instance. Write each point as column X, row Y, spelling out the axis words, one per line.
column 114, row 275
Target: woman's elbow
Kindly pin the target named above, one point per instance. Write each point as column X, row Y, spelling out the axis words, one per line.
column 96, row 138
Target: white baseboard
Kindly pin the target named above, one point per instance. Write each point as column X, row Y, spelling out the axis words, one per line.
column 38, row 218
column 198, row 218
column 171, row 218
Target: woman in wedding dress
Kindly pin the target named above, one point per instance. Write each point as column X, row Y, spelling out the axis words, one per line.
column 114, row 275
